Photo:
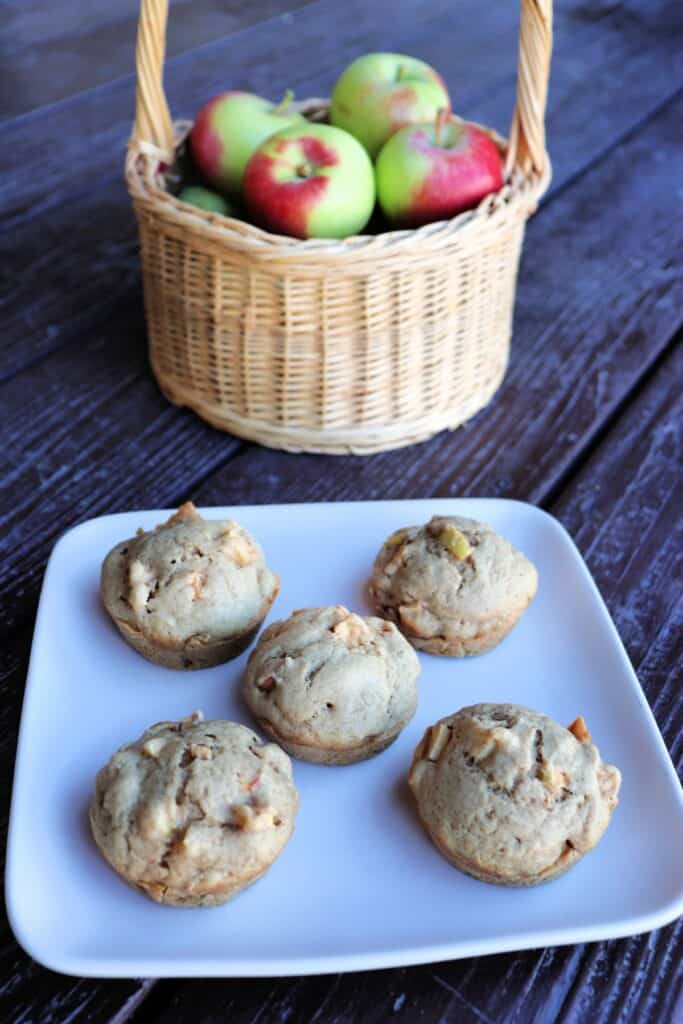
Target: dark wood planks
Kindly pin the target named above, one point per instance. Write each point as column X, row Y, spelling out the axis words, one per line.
column 95, row 229
column 569, row 371
column 111, row 404
column 67, row 273
column 77, row 141
column 75, row 246
column 621, row 509
column 589, row 520
column 44, row 59
column 80, row 141
column 69, row 464
column 101, row 398
column 43, row 996
column 587, row 326
column 98, row 437
column 112, row 278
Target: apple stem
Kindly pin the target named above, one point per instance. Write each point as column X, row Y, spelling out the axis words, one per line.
column 284, row 102
column 441, row 118
column 401, row 72
column 303, row 171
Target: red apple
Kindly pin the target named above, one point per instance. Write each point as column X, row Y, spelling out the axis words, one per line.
column 310, row 181
column 229, row 128
column 431, row 172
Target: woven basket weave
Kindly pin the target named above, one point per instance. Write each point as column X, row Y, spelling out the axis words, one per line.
column 361, row 345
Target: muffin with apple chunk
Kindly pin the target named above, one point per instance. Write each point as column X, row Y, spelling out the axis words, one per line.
column 331, row 686
column 194, row 811
column 190, row 594
column 510, row 796
column 453, row 586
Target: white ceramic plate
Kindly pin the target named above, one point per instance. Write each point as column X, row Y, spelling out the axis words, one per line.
column 360, row 885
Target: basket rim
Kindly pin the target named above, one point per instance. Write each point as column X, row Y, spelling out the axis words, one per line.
column 146, row 166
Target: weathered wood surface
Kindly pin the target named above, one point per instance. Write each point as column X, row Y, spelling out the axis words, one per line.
column 37, row 49
column 569, row 371
column 78, row 145
column 575, row 356
column 622, row 501
column 588, row 422
column 102, row 365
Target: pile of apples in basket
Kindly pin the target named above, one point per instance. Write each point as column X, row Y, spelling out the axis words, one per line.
column 392, row 149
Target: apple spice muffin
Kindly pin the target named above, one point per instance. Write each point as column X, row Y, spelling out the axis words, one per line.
column 194, row 811
column 331, row 686
column 190, row 594
column 453, row 586
column 508, row 795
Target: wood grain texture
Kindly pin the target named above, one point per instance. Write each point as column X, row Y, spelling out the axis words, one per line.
column 43, row 996
column 109, row 448
column 82, row 453
column 587, row 326
column 83, row 139
column 79, row 143
column 644, row 449
column 105, row 439
column 623, row 510
column 587, row 423
column 44, row 59
column 89, row 262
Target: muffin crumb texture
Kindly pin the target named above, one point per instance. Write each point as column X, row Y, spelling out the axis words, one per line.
column 453, row 587
column 194, row 811
column 191, row 593
column 510, row 796
column 330, row 685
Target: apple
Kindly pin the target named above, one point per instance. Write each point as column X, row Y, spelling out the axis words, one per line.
column 382, row 92
column 205, row 199
column 229, row 128
column 310, row 181
column 431, row 172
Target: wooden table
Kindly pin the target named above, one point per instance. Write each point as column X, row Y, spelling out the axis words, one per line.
column 586, row 425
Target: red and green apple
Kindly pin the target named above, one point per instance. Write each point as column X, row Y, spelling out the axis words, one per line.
column 310, row 181
column 430, row 172
column 382, row 92
column 229, row 128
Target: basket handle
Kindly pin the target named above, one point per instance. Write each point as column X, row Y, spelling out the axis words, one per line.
column 153, row 128
column 526, row 148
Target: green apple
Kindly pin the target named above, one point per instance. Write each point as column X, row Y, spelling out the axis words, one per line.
column 310, row 181
column 229, row 128
column 205, row 199
column 430, row 172
column 382, row 92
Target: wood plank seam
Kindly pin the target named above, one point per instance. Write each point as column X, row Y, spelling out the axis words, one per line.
column 587, row 971
column 595, row 438
column 176, row 60
column 140, row 1004
column 546, row 498
column 619, row 140
column 553, row 192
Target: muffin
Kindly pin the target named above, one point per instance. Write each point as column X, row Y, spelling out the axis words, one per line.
column 194, row 811
column 331, row 686
column 190, row 594
column 453, row 586
column 508, row 795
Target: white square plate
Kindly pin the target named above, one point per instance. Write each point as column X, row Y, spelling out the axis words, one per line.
column 360, row 885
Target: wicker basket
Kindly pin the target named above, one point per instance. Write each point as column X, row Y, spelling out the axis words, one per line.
column 324, row 346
